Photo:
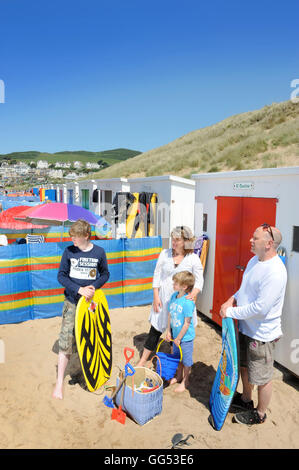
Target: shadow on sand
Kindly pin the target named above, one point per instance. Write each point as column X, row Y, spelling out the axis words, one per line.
column 201, row 377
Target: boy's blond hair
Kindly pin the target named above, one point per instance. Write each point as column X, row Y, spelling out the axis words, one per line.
column 185, row 278
column 80, row 228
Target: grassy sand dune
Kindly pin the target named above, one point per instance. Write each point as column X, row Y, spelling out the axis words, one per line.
column 268, row 137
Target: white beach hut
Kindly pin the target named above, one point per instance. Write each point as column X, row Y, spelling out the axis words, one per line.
column 62, row 192
column 176, row 197
column 97, row 195
column 86, row 188
column 234, row 204
column 107, row 189
column 73, row 193
column 59, row 192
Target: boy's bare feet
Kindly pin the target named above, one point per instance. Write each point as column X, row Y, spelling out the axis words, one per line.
column 180, row 388
column 173, row 381
column 57, row 393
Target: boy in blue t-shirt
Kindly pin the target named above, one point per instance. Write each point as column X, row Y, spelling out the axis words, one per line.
column 180, row 326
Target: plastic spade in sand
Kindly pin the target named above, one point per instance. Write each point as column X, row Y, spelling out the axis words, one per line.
column 117, row 413
column 108, row 401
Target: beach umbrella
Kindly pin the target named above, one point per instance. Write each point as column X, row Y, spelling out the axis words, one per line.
column 60, row 213
column 57, row 213
column 8, row 221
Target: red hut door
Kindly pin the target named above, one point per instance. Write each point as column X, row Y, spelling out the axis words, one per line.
column 237, row 218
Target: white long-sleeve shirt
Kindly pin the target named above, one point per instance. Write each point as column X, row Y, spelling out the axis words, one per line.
column 260, row 299
column 162, row 279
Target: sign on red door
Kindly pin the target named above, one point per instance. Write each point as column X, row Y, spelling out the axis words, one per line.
column 237, row 218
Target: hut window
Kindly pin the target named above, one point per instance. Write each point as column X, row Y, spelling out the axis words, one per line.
column 295, row 239
column 205, row 223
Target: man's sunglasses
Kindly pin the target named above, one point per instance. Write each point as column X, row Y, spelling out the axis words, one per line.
column 269, row 229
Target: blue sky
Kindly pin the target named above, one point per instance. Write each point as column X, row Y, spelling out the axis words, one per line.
column 96, row 75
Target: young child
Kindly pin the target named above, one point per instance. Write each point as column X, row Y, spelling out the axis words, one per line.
column 180, row 326
column 83, row 269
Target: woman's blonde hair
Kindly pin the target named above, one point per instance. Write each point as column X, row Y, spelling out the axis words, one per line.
column 80, row 228
column 181, row 231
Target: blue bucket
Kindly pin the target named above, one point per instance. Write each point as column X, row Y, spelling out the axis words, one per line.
column 168, row 363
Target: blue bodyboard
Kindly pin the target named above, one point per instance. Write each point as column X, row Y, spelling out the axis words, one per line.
column 227, row 375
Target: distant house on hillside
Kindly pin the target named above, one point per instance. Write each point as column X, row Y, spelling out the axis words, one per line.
column 56, row 174
column 22, row 168
column 23, row 165
column 62, row 165
column 77, row 164
column 41, row 164
column 71, row 176
column 92, row 166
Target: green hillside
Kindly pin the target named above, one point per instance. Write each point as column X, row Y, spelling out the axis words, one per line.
column 109, row 156
column 268, row 137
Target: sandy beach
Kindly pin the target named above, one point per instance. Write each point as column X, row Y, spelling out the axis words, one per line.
column 31, row 419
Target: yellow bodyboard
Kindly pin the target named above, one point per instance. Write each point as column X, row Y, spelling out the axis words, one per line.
column 153, row 208
column 94, row 341
column 131, row 216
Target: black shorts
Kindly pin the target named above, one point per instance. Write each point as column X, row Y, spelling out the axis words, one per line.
column 152, row 339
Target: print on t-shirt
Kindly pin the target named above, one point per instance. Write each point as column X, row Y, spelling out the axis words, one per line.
column 83, row 268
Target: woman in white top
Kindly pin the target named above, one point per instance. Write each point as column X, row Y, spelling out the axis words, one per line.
column 180, row 257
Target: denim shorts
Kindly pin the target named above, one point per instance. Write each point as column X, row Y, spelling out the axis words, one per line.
column 187, row 352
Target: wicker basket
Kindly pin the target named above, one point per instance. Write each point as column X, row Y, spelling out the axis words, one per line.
column 142, row 407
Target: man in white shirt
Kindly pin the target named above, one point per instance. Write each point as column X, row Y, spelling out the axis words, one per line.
column 257, row 306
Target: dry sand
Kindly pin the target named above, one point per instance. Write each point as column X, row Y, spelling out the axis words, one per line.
column 30, row 418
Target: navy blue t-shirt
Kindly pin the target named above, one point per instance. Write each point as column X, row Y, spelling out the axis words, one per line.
column 82, row 268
